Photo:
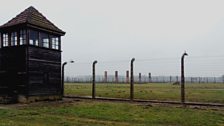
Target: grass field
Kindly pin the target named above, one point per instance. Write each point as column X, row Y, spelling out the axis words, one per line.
column 93, row 113
column 213, row 93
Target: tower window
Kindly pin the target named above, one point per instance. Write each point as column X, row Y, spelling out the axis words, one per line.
column 14, row 39
column 55, row 42
column 5, row 39
column 22, row 38
column 34, row 38
column 45, row 40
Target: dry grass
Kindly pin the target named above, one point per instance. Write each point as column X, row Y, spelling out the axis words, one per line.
column 213, row 93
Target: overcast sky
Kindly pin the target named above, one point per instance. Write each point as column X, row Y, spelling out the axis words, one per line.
column 155, row 32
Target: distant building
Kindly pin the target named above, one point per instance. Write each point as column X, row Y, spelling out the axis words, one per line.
column 30, row 58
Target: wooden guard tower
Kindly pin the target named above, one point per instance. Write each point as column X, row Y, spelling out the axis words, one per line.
column 30, row 58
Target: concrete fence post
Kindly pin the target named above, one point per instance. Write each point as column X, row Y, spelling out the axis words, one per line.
column 183, row 79
column 140, row 78
column 93, row 81
column 63, row 76
column 127, row 76
column 150, row 78
column 116, row 77
column 105, row 76
column 62, row 80
column 132, row 80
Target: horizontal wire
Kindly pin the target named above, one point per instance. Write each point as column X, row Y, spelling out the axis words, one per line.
column 155, row 59
column 200, row 64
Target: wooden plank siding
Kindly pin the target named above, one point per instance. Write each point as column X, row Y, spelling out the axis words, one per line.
column 44, row 71
column 13, row 70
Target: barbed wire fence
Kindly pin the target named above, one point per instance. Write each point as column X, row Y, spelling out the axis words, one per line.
column 113, row 79
column 199, row 69
column 144, row 79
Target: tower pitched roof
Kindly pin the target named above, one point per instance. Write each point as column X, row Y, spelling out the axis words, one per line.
column 33, row 17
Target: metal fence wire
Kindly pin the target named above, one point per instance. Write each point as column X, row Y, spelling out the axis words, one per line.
column 154, row 79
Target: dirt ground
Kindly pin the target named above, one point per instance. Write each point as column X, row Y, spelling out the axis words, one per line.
column 70, row 101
